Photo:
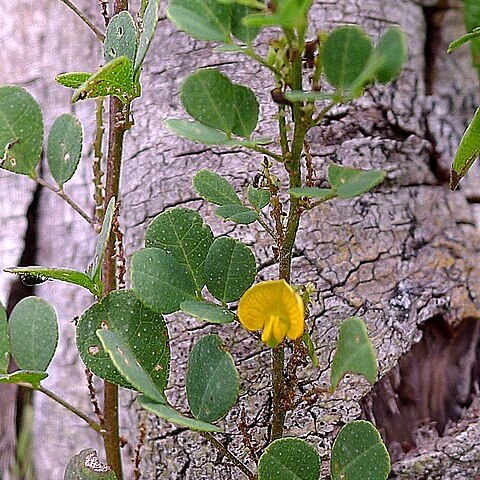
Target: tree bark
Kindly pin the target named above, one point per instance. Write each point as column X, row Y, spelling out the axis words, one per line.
column 401, row 256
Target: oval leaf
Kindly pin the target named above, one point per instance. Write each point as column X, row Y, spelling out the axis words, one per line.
column 351, row 182
column 321, row 194
column 94, row 270
column 468, row 151
column 4, row 341
column 36, row 275
column 182, row 233
column 355, row 353
column 73, row 79
column 33, row 333
column 29, row 377
column 258, row 197
column 345, row 55
column 212, row 187
column 196, row 132
column 471, row 9
column 392, row 50
column 242, row 32
column 201, row 19
column 21, row 130
column 160, row 280
column 212, row 380
column 140, row 328
column 289, row 459
column 237, row 213
column 230, row 268
column 65, row 142
column 121, row 37
column 212, row 99
column 150, row 20
column 208, row 312
column 173, row 416
column 87, row 466
column 359, row 453
column 128, row 365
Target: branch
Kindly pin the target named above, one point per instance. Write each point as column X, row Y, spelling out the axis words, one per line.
column 234, row 459
column 67, row 199
column 85, row 19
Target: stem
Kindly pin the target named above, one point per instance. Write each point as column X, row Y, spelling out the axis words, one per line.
column 267, row 152
column 67, row 199
column 91, row 423
column 250, row 52
column 293, row 167
column 85, row 19
column 97, row 161
column 118, row 121
column 235, row 460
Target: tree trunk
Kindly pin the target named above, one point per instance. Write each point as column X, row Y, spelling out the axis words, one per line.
column 405, row 257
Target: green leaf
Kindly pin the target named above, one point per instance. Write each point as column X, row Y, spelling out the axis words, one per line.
column 114, row 78
column 355, row 353
column 65, row 142
column 202, row 19
column 258, row 197
column 196, row 132
column 160, row 280
column 358, row 453
column 230, row 268
column 21, row 130
column 345, row 55
column 4, row 341
column 289, row 14
column 128, row 364
column 29, row 377
column 351, row 182
column 40, row 274
column 87, row 466
column 212, row 380
column 33, row 330
column 307, row 340
column 94, row 270
column 237, row 213
column 150, row 20
column 182, row 233
column 472, row 20
column 468, row 151
column 121, row 37
column 393, row 51
column 72, row 79
column 313, row 192
column 171, row 415
column 140, row 328
column 300, row 96
column 243, row 32
column 212, row 187
column 209, row 312
column 212, row 99
column 464, row 39
column 289, row 459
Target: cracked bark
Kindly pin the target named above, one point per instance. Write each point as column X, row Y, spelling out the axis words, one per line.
column 407, row 254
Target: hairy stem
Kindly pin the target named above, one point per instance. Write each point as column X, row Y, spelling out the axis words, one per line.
column 118, row 121
column 234, row 459
column 66, row 198
column 293, row 167
column 85, row 19
column 91, row 423
column 97, row 161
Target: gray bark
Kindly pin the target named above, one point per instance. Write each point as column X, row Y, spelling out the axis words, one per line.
column 399, row 257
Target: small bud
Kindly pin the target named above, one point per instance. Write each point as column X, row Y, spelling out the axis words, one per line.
column 279, row 97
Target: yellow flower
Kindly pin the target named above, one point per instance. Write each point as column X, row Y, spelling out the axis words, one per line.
column 274, row 306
